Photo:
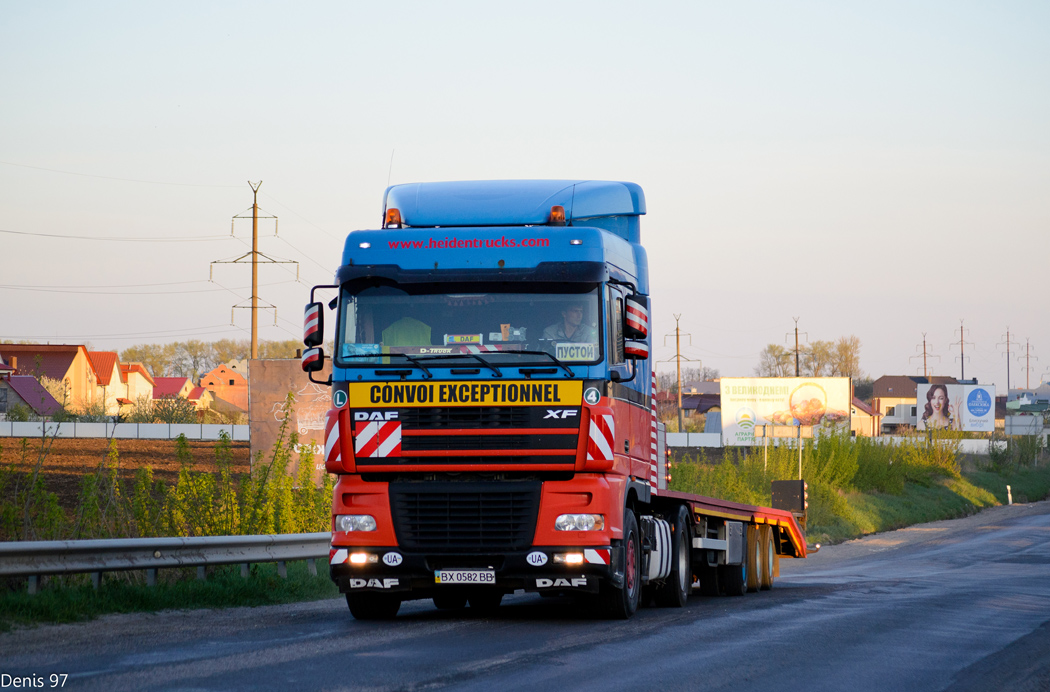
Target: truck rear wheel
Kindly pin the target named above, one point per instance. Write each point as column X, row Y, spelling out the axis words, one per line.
column 769, row 566
column 754, row 558
column 675, row 591
column 621, row 603
column 373, row 606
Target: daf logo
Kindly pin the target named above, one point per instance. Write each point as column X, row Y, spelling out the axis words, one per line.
column 561, row 583
column 560, row 413
column 375, row 415
column 374, row 583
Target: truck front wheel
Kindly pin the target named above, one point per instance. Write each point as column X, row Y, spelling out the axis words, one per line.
column 620, row 603
column 373, row 606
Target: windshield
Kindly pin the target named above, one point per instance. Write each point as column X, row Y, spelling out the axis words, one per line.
column 504, row 325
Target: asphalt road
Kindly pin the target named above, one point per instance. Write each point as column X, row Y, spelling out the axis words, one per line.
column 959, row 605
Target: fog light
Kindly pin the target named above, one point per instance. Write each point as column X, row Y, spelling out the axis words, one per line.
column 362, row 558
column 579, row 522
column 569, row 558
column 355, row 522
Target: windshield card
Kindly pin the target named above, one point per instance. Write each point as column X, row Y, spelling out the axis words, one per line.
column 576, row 352
column 369, row 395
column 462, row 339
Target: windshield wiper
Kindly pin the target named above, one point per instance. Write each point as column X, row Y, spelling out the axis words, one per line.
column 559, row 363
column 475, row 356
column 407, row 357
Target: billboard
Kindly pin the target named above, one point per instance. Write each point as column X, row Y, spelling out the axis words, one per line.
column 269, row 382
column 806, row 401
column 968, row 407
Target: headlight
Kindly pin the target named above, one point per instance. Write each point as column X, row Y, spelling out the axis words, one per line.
column 355, row 522
column 579, row 522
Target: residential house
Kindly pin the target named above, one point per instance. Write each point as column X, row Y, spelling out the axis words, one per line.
column 864, row 420
column 69, row 365
column 110, row 387
column 137, row 383
column 172, row 386
column 25, row 390
column 201, row 398
column 228, row 388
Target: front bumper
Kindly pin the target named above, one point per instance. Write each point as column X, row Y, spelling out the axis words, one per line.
column 535, row 569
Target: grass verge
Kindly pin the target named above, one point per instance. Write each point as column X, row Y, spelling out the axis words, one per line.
column 73, row 599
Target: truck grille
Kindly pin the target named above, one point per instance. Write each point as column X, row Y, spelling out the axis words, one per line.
column 469, row 517
column 465, row 417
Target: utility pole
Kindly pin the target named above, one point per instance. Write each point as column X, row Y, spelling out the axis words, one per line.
column 1007, row 359
column 925, row 354
column 798, row 371
column 1028, row 363
column 962, row 351
column 678, row 358
column 255, row 260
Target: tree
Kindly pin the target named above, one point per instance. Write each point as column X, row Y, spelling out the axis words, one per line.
column 193, row 358
column 775, row 361
column 156, row 357
column 279, row 349
column 847, row 358
column 227, row 350
column 817, row 359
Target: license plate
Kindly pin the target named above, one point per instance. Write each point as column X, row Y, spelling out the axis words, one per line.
column 464, row 576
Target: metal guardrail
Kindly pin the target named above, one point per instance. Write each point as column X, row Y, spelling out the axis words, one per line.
column 34, row 559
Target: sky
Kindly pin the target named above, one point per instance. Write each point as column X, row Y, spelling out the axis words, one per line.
column 871, row 169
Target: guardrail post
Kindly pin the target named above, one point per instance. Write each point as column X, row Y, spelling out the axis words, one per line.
column 151, row 576
column 245, row 570
column 282, row 569
column 96, row 579
column 311, row 566
column 34, row 584
column 202, row 574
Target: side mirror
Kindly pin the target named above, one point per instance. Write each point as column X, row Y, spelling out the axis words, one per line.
column 635, row 349
column 313, row 360
column 636, row 317
column 313, row 327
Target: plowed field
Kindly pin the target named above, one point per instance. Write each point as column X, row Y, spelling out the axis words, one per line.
column 67, row 460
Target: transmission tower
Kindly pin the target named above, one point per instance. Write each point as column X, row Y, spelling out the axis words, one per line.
column 255, row 260
column 1028, row 358
column 1007, row 343
column 925, row 354
column 788, row 336
column 678, row 358
column 961, row 343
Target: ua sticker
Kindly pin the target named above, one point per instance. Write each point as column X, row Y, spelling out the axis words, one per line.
column 339, row 399
column 536, row 558
column 392, row 559
column 592, row 396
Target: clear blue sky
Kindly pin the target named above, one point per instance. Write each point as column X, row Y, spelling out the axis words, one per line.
column 877, row 169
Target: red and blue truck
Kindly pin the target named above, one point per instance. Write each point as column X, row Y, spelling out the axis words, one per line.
column 493, row 423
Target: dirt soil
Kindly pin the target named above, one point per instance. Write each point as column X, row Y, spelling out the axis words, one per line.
column 66, row 461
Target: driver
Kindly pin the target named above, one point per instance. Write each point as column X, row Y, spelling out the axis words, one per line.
column 571, row 328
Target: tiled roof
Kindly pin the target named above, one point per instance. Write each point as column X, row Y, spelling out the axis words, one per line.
column 168, row 386
column 127, row 368
column 54, row 359
column 34, row 394
column 861, row 406
column 196, row 393
column 103, row 362
column 903, row 386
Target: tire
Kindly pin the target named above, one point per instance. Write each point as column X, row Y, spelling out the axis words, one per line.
column 754, row 558
column 621, row 603
column 486, row 601
column 450, row 601
column 733, row 578
column 769, row 568
column 373, row 606
column 675, row 591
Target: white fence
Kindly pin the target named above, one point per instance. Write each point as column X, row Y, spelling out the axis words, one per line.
column 124, row 431
column 694, row 440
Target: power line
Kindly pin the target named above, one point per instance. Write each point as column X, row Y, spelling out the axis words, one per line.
column 164, row 332
column 123, row 293
column 121, row 239
column 109, row 177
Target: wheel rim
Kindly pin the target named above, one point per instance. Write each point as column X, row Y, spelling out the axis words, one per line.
column 632, row 561
column 683, row 563
column 769, row 564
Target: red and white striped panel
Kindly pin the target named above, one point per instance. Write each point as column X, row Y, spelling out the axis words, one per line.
column 601, row 438
column 597, row 556
column 638, row 349
column 310, row 322
column 377, row 439
column 654, row 481
column 480, row 349
column 638, row 317
column 310, row 356
column 337, row 556
column 332, row 448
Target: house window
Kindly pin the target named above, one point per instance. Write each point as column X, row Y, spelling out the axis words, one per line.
column 231, row 381
column 3, row 399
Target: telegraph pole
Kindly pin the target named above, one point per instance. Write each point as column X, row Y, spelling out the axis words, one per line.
column 255, row 256
column 678, row 358
column 1007, row 359
column 962, row 351
column 925, row 354
column 798, row 370
column 1028, row 363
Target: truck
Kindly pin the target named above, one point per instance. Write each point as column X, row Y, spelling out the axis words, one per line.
column 493, row 425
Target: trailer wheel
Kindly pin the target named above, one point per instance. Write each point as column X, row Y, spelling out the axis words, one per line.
column 621, row 603
column 769, row 566
column 373, row 606
column 675, row 591
column 734, row 578
column 754, row 558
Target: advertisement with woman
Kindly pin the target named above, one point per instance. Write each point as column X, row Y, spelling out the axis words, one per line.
column 966, row 407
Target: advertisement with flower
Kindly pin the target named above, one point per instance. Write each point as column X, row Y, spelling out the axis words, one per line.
column 799, row 401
